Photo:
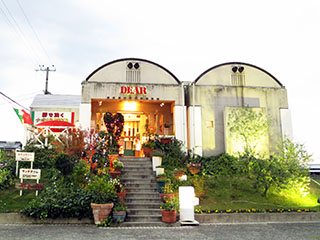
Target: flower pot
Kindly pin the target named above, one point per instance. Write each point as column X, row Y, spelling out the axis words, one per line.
column 156, row 161
column 169, row 216
column 159, row 171
column 194, row 169
column 119, row 216
column 160, row 185
column 101, row 211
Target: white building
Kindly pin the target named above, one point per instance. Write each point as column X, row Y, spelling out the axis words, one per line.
column 153, row 99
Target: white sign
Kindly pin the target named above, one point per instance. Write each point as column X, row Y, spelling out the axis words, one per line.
column 26, row 173
column 25, row 156
column 45, row 116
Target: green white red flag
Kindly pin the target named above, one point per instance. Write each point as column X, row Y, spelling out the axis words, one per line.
column 23, row 115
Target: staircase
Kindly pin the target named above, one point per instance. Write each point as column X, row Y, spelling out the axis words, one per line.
column 142, row 200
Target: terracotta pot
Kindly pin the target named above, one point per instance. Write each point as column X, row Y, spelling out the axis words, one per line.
column 101, row 211
column 169, row 216
column 194, row 169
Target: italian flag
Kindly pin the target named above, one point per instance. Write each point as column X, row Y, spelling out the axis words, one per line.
column 23, row 115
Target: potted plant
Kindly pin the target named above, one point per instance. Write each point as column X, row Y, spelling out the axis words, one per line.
column 119, row 213
column 169, row 210
column 120, row 189
column 148, row 148
column 168, row 192
column 118, row 165
column 161, row 180
column 103, row 196
column 194, row 164
column 179, row 172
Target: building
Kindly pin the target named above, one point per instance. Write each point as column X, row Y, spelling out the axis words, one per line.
column 153, row 100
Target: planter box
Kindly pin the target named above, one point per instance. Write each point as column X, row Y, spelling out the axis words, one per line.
column 159, row 171
column 156, row 161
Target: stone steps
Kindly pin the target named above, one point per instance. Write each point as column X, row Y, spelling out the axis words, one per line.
column 142, row 200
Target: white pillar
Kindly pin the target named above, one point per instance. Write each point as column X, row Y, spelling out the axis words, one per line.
column 180, row 123
column 195, row 129
column 286, row 125
column 85, row 115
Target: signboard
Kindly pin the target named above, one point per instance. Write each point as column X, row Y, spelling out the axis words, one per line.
column 133, row 90
column 25, row 156
column 44, row 116
column 34, row 174
column 26, row 173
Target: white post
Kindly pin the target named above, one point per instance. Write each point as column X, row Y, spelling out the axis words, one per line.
column 187, row 200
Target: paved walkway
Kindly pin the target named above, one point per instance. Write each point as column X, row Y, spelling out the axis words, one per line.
column 260, row 231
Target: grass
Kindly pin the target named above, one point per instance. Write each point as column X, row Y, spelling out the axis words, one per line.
column 11, row 201
column 240, row 195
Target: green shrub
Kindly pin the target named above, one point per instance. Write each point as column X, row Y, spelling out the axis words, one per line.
column 6, row 178
column 60, row 201
column 43, row 157
column 64, row 163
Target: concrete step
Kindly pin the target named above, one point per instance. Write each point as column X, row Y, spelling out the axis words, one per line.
column 137, row 172
column 143, row 178
column 143, row 200
column 144, row 211
column 143, row 218
column 141, row 189
column 143, row 194
column 147, row 182
column 147, row 205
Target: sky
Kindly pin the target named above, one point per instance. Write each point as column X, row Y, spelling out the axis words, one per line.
column 185, row 36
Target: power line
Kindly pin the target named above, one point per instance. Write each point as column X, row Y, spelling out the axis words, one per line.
column 14, row 24
column 34, row 31
column 10, row 100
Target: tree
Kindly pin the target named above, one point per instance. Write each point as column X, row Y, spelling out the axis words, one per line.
column 247, row 125
column 286, row 166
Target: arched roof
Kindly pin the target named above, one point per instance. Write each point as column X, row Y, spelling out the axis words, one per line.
column 201, row 76
column 133, row 59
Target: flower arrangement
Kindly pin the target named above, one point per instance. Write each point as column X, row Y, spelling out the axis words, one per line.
column 118, row 165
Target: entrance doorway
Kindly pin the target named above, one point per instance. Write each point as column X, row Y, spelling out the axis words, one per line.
column 141, row 118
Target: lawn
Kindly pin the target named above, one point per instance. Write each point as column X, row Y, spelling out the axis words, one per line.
column 226, row 197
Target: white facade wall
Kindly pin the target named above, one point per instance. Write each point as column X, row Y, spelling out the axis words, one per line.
column 85, row 115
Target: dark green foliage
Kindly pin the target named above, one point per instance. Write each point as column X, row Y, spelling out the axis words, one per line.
column 6, row 178
column 223, row 164
column 173, row 154
column 102, row 190
column 43, row 157
column 64, row 163
column 59, row 201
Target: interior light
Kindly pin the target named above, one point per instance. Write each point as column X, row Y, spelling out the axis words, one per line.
column 161, row 104
column 130, row 106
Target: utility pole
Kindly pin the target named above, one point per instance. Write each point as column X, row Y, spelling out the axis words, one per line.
column 47, row 70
